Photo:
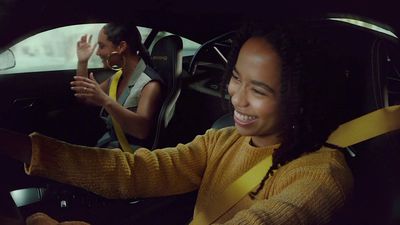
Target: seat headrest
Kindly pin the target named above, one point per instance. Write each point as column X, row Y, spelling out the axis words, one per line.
column 167, row 58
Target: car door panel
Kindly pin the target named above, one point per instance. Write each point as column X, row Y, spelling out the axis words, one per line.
column 44, row 102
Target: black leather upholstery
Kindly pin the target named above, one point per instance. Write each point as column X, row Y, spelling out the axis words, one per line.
column 224, row 121
column 167, row 61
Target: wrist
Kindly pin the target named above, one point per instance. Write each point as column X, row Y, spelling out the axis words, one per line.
column 83, row 61
column 107, row 102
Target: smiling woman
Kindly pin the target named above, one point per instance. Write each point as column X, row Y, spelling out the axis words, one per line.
column 131, row 97
column 255, row 92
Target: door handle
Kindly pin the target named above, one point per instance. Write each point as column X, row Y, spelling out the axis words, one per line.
column 25, row 103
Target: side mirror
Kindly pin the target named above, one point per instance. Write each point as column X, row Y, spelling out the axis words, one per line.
column 7, row 60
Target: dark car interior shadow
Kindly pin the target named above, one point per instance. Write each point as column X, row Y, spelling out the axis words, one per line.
column 373, row 63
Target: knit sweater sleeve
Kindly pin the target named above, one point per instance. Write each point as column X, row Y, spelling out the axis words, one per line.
column 116, row 174
column 305, row 192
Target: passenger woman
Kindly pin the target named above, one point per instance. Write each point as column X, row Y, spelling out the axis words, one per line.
column 139, row 88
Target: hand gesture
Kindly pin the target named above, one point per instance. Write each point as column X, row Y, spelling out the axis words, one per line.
column 89, row 91
column 84, row 49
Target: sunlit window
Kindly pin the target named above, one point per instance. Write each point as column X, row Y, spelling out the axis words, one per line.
column 55, row 49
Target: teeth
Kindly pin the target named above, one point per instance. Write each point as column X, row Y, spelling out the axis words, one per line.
column 244, row 117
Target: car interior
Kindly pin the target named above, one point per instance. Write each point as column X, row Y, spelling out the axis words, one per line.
column 196, row 101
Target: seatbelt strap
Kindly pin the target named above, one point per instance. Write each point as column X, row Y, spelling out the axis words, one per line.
column 235, row 191
column 360, row 129
column 126, row 147
column 366, row 127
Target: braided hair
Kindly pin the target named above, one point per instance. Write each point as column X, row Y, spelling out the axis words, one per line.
column 312, row 97
column 117, row 32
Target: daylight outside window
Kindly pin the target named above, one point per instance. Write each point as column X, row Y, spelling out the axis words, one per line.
column 56, row 49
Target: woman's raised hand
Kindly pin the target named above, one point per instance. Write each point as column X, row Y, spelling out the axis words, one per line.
column 84, row 49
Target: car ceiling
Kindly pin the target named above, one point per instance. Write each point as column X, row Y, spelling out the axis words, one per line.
column 198, row 20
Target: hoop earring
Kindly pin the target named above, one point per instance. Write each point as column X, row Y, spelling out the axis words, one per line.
column 116, row 61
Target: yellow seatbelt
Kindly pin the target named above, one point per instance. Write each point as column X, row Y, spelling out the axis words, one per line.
column 360, row 129
column 367, row 126
column 126, row 147
column 235, row 191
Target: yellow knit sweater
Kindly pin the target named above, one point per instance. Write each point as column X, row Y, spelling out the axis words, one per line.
column 307, row 190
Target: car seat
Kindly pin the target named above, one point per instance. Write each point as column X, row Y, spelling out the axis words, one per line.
column 167, row 60
column 225, row 120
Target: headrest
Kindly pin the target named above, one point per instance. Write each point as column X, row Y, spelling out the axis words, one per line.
column 167, row 58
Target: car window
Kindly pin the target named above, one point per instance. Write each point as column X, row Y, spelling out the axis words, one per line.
column 56, row 49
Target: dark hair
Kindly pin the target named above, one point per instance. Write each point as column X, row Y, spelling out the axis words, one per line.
column 117, row 32
column 312, row 96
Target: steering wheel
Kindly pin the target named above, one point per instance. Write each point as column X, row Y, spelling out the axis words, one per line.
column 209, row 45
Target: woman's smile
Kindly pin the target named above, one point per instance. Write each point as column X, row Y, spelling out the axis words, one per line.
column 243, row 119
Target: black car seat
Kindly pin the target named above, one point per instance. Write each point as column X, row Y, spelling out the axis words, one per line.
column 225, row 120
column 167, row 60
